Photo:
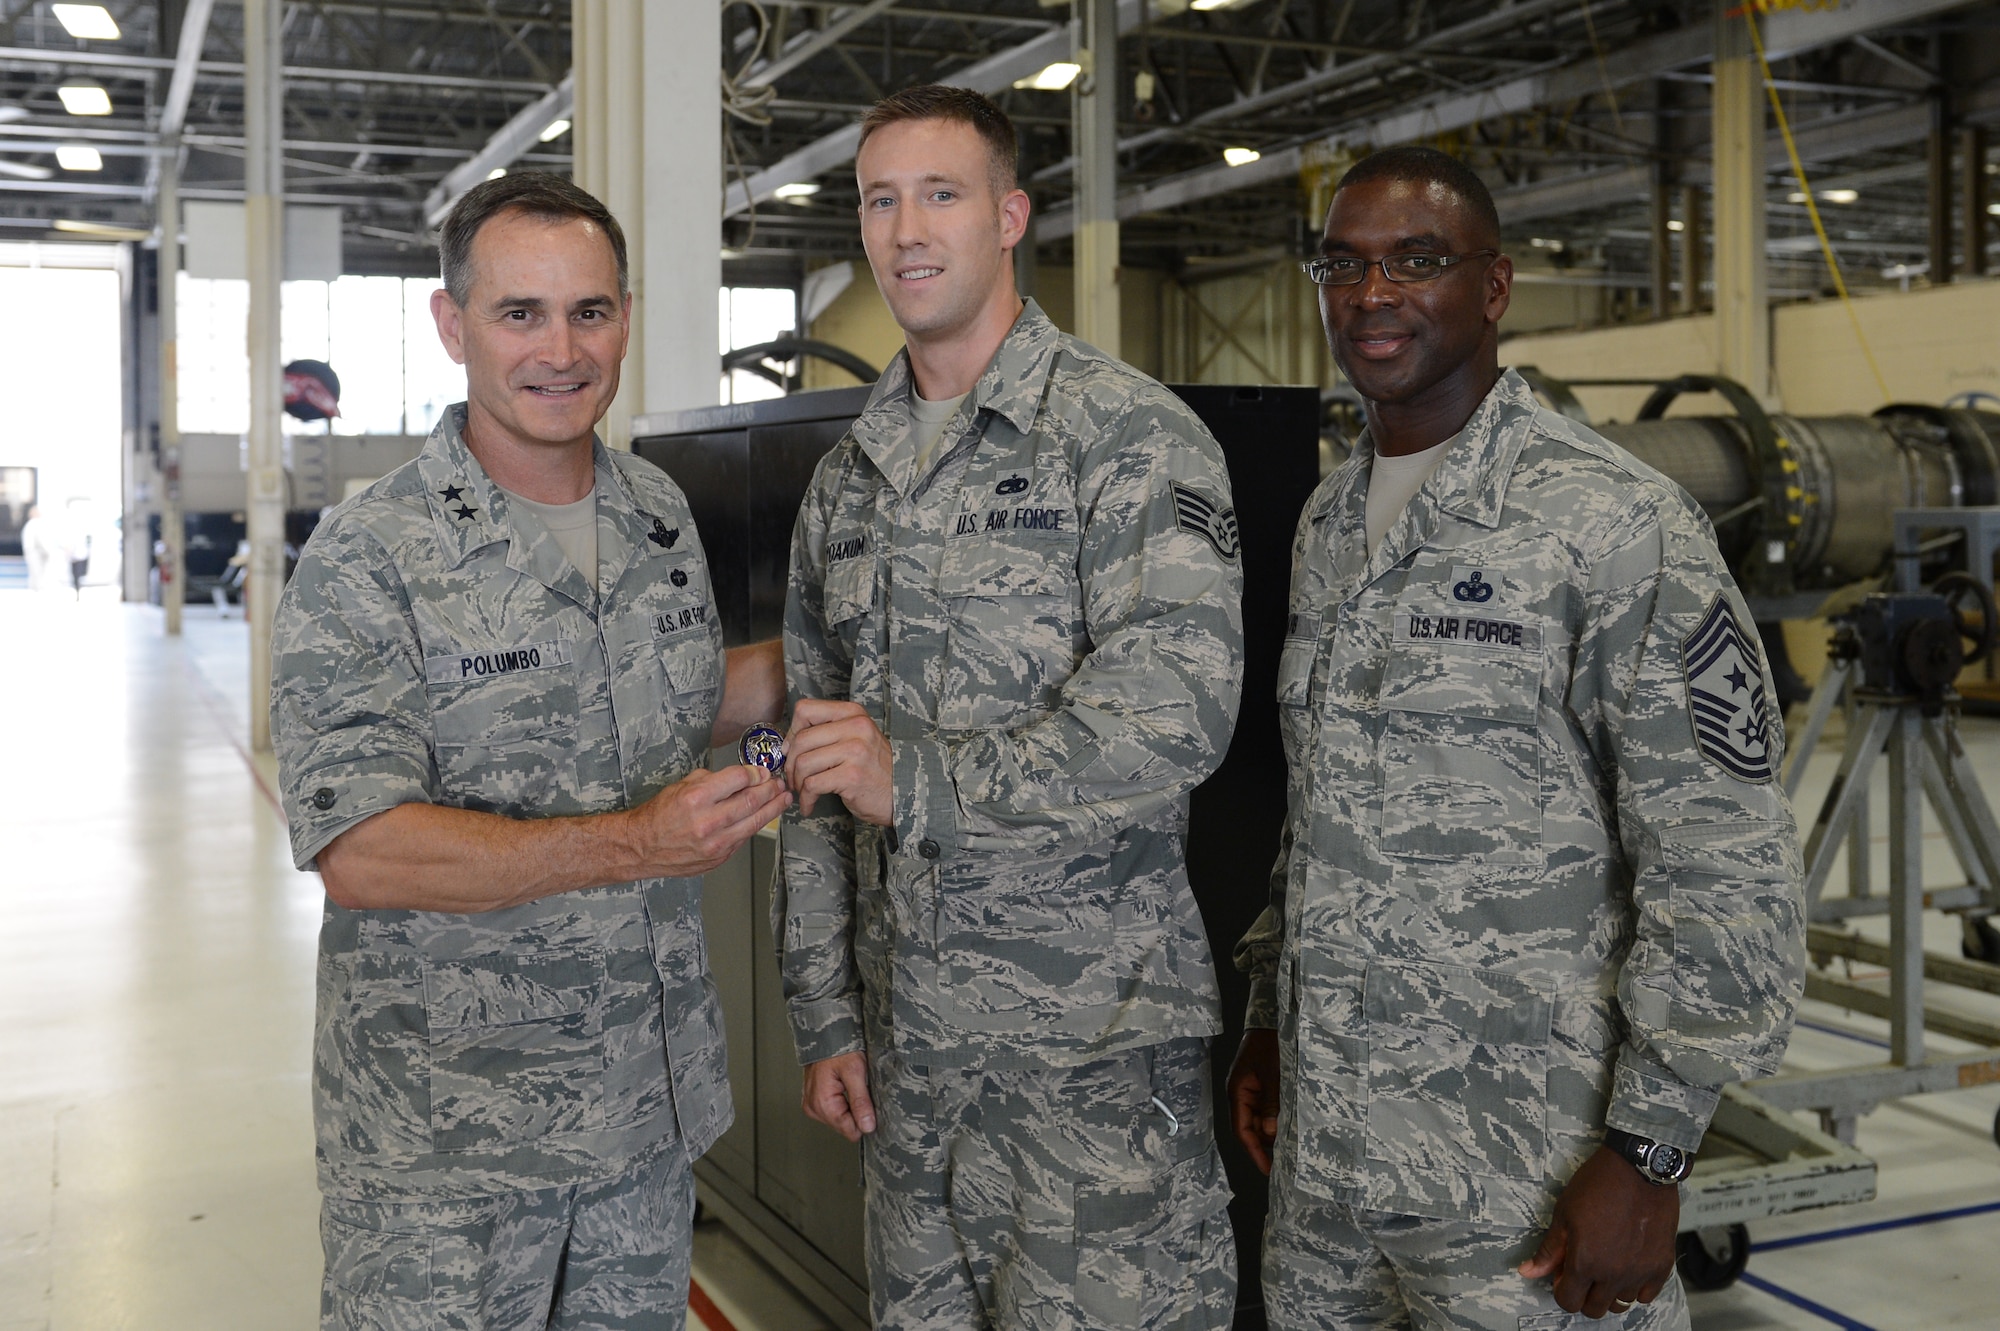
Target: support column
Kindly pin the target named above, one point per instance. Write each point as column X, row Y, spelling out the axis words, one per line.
column 1694, row 258
column 1974, row 193
column 648, row 145
column 173, row 523
column 1742, row 303
column 1939, row 172
column 1094, row 118
column 1662, row 254
column 264, row 227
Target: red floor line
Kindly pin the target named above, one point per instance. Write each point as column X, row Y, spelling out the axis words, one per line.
column 704, row 1308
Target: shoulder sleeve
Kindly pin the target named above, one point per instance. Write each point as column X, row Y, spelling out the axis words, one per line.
column 350, row 719
column 1148, row 714
column 1672, row 687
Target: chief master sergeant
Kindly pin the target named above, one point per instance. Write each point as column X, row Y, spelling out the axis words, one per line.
column 1015, row 636
column 497, row 673
column 1540, row 893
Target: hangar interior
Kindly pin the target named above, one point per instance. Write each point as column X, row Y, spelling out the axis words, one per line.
column 1754, row 244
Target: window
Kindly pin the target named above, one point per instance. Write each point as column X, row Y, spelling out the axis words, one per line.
column 750, row 315
column 376, row 332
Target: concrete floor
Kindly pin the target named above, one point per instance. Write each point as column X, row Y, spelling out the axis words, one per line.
column 156, row 960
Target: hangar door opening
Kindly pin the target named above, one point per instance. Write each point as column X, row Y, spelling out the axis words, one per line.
column 61, row 410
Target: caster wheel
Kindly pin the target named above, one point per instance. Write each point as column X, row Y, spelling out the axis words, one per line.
column 1712, row 1259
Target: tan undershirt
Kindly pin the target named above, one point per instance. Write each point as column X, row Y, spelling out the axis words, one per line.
column 573, row 525
column 931, row 418
column 1392, row 483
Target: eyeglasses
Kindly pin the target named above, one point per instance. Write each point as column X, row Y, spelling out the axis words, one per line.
column 1344, row 270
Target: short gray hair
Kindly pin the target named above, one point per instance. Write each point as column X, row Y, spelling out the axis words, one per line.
column 536, row 193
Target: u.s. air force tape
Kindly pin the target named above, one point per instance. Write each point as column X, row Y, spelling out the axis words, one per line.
column 492, row 662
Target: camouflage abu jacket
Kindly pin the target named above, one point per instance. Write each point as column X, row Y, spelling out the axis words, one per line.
column 1538, row 875
column 432, row 649
column 1047, row 626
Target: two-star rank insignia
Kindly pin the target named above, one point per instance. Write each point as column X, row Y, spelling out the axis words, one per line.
column 662, row 535
column 1723, row 671
column 451, row 493
column 465, row 512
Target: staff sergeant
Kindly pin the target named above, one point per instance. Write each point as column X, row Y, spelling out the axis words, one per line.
column 1539, row 896
column 1015, row 642
column 497, row 680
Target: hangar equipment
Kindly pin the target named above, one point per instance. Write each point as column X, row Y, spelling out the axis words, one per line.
column 1802, row 505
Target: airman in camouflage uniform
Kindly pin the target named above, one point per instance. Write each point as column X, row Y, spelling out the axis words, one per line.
column 508, row 1089
column 1041, row 623
column 1537, row 877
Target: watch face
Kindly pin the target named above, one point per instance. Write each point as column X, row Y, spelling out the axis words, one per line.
column 1666, row 1161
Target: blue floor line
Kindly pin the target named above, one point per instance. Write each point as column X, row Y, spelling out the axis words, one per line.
column 1841, row 1320
column 1847, row 1035
column 1852, row 1231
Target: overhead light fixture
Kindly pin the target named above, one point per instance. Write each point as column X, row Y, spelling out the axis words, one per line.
column 1993, row 209
column 100, row 230
column 556, row 129
column 1840, row 195
column 1052, row 77
column 84, row 99
column 1554, row 246
column 24, row 170
column 1675, row 224
column 1210, row 6
column 1240, row 156
column 90, row 23
column 79, row 157
column 496, row 173
column 796, row 192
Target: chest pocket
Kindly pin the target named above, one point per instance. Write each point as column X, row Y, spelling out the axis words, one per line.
column 1016, row 626
column 504, row 739
column 1461, row 748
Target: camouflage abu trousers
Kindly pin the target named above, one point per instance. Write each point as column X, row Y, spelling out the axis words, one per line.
column 1330, row 1267
column 1049, row 1199
column 606, row 1256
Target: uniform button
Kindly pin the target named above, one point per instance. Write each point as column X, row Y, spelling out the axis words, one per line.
column 928, row 849
column 323, row 798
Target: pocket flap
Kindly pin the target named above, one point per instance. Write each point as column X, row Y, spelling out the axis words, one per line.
column 1451, row 664
column 692, row 666
column 850, row 589
column 1013, row 567
column 1487, row 1007
column 510, row 990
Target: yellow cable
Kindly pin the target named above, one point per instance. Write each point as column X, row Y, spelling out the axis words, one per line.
column 1812, row 206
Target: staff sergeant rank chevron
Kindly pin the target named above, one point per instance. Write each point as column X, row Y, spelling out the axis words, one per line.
column 1725, row 685
column 1197, row 513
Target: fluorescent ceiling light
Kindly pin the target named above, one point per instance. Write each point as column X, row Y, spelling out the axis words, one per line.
column 1544, row 243
column 1240, row 156
column 1840, row 195
column 85, row 99
column 798, row 189
column 1210, row 6
column 1994, row 209
column 91, row 23
column 1676, row 224
column 24, row 170
column 79, row 157
column 556, row 129
column 1053, row 77
column 496, row 173
column 100, row 230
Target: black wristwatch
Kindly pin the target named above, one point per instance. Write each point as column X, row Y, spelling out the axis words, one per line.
column 1657, row 1162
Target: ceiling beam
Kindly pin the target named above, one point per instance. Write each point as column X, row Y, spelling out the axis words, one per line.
column 134, row 63
column 194, row 34
column 785, row 62
column 512, row 139
column 1785, row 33
column 994, row 74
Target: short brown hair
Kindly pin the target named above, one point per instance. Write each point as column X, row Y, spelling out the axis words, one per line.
column 941, row 101
column 536, row 193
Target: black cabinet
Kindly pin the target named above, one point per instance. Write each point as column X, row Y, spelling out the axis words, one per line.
column 788, row 1186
